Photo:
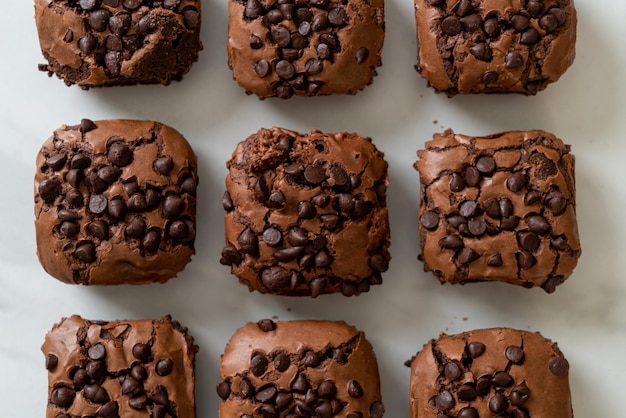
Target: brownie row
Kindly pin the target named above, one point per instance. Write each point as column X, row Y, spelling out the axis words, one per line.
column 305, row 214
column 146, row 368
column 310, row 47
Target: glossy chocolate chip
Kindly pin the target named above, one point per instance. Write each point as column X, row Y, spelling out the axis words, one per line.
column 468, row 208
column 142, row 352
column 513, row 60
column 63, row 397
column 377, row 410
column 520, row 22
column 529, row 241
column 85, row 252
column 451, row 25
column 120, row 154
column 327, row 389
column 490, row 77
column 429, row 220
column 139, row 372
column 97, row 352
column 444, row 401
column 466, row 255
column 262, row 68
column 498, row 403
column 475, row 349
column 280, row 35
column 285, row 69
column 96, row 394
column 275, row 278
column 530, row 36
column 495, row 260
column 173, row 206
column 468, row 412
column 466, row 393
column 246, row 389
column 452, row 371
column 314, row 174
column 299, row 384
column 354, row 389
column 361, row 55
column 491, row 27
column 379, row 263
column 472, row 176
column 164, row 366
column 191, row 18
column 481, row 51
column 525, row 259
column 516, row 182
column 559, row 14
column 451, row 242
column 51, row 362
column 559, row 366
column 49, row 189
column 266, row 394
column 519, row 394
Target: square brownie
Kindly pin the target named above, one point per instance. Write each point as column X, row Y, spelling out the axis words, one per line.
column 497, row 46
column 499, row 372
column 124, row 369
column 500, row 207
column 304, row 47
column 299, row 369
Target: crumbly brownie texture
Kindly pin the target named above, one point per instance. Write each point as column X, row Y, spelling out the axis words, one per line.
column 304, row 47
column 500, row 207
column 96, row 43
column 306, row 214
column 499, row 372
column 494, row 46
column 299, row 369
column 127, row 369
column 115, row 202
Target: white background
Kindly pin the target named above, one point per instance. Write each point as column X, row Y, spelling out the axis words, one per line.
column 586, row 315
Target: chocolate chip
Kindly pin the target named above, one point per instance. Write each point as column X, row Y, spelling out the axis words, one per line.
column 163, row 165
column 472, row 176
column 451, row 242
column 490, row 77
column 120, row 154
column 164, row 366
column 96, row 393
column 452, row 371
column 457, row 183
column 377, row 410
column 468, row 412
column 538, row 224
column 266, row 394
column 275, row 278
column 514, row 354
column 63, row 397
column 519, row 413
column 131, row 4
column 117, row 208
column 120, row 23
column 306, row 210
column 245, row 388
column 466, row 393
column 557, row 205
column 80, row 378
column 280, row 35
column 311, row 359
column 191, row 18
column 559, row 242
column 173, row 206
column 331, row 40
column 89, row 4
column 516, row 182
column 136, row 227
column 529, row 241
column 253, row 9
column 97, row 352
column 300, row 384
column 288, row 254
column 314, row 174
column 138, row 402
column 491, row 27
column 513, row 60
column 330, row 221
column 477, row 227
column 535, row 8
column 137, row 202
column 142, row 352
column 444, row 401
column 495, row 260
column 87, row 44
column 159, row 396
column 429, row 220
column 262, row 68
column 498, row 403
column 282, row 362
column 481, row 51
column 139, row 373
column 319, row 22
column 520, row 22
column 99, row 19
column 361, row 55
column 109, row 409
column 51, row 362
column 451, row 25
column 483, row 385
column 85, row 252
column 323, row 259
column 74, row 198
column 519, row 394
column 49, row 189
column 525, row 259
column 559, row 14
column 530, row 36
column 327, row 389
column 354, row 389
column 475, row 349
column 285, row 69
column 559, row 366
column 509, row 223
column 283, row 400
column 468, row 208
column 466, row 255
column 549, row 23
column 182, row 231
column 337, row 16
column 378, row 263
column 323, row 52
column 129, row 384
column 471, row 22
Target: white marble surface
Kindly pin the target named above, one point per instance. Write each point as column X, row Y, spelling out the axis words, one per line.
column 587, row 315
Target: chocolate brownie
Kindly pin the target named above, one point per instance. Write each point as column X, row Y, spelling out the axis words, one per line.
column 499, row 372
column 306, row 214
column 304, row 47
column 96, row 43
column 299, row 369
column 496, row 46
column 115, row 202
column 120, row 369
column 500, row 207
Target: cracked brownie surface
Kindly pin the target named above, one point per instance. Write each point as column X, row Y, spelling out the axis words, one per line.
column 304, row 47
column 96, row 43
column 306, row 214
column 115, row 202
column 499, row 372
column 500, row 207
column 299, row 369
column 142, row 368
column 494, row 46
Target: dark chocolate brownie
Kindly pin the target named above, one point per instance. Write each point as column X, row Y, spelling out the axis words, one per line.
column 306, row 214
column 494, row 46
column 96, row 43
column 304, row 47
column 500, row 207
column 129, row 369
column 299, row 369
column 115, row 202
column 499, row 372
